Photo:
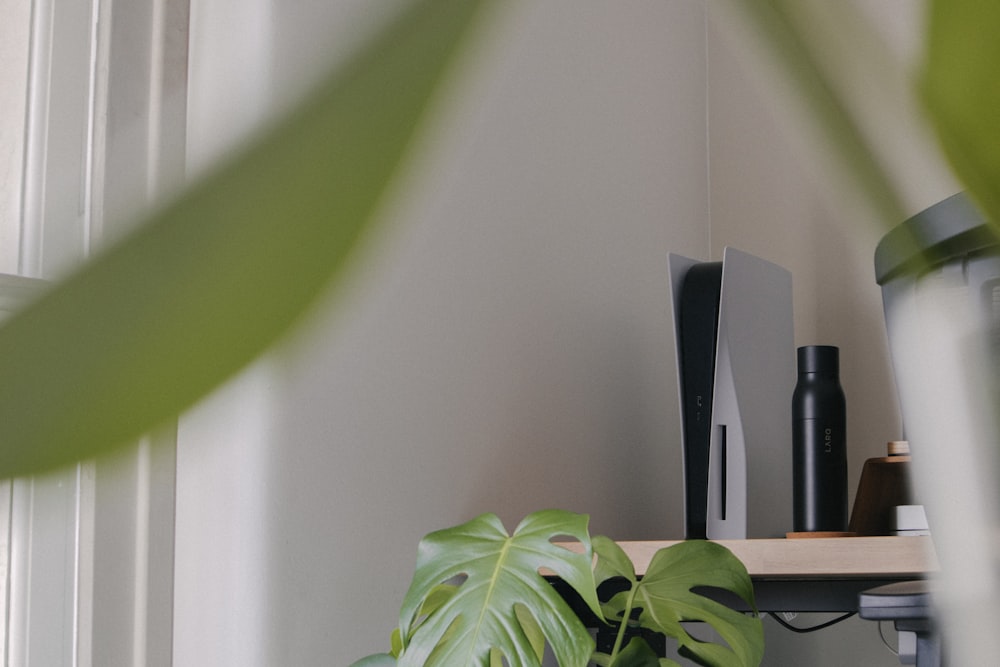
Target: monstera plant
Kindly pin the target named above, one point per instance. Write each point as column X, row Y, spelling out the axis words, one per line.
column 479, row 597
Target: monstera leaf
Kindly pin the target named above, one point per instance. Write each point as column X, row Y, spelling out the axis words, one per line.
column 378, row 660
column 636, row 654
column 502, row 605
column 665, row 598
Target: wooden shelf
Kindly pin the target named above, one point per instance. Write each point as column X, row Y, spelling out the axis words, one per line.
column 816, row 574
column 817, row 558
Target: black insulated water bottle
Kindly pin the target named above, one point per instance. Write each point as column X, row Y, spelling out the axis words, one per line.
column 819, row 446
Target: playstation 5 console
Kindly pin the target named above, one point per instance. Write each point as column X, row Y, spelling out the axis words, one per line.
column 736, row 373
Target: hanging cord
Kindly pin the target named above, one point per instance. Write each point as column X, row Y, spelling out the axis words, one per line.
column 788, row 626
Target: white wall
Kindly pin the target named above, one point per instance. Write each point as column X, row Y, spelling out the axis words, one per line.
column 220, row 604
column 507, row 348
column 508, row 345
column 776, row 192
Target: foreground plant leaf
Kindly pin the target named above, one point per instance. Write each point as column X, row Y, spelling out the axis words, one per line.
column 500, row 583
column 212, row 280
column 775, row 21
column 961, row 92
column 665, row 597
column 378, row 660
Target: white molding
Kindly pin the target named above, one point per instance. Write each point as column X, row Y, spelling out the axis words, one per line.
column 15, row 32
column 90, row 549
column 36, row 135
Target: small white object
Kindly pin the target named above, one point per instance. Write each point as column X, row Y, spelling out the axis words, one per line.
column 911, row 520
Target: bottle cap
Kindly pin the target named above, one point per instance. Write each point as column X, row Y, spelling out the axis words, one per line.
column 898, row 448
column 819, row 359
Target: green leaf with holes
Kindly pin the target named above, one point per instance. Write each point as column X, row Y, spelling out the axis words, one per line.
column 503, row 605
column 665, row 597
column 378, row 660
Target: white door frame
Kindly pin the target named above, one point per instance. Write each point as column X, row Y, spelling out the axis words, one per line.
column 89, row 549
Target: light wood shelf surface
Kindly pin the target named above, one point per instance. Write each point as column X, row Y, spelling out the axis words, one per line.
column 816, row 558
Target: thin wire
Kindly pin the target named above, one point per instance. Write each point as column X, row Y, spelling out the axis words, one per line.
column 708, row 144
column 788, row 626
column 885, row 641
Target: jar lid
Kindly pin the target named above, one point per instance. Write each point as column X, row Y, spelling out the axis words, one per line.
column 898, row 448
column 819, row 359
column 948, row 230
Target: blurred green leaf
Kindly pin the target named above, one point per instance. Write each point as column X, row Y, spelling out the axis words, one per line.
column 210, row 281
column 501, row 582
column 962, row 93
column 775, row 21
